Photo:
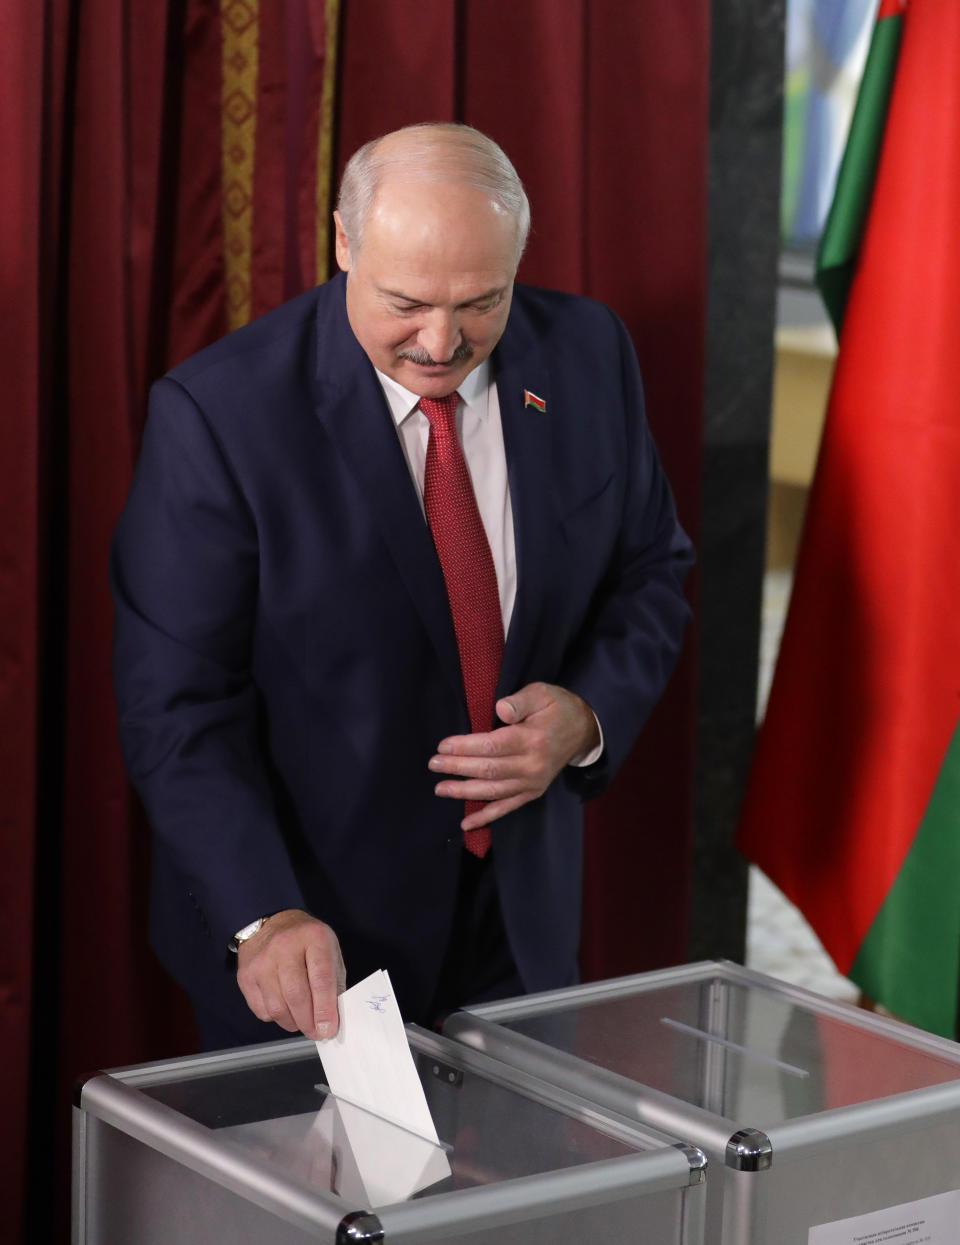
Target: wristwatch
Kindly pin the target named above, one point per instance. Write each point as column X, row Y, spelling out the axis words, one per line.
column 242, row 935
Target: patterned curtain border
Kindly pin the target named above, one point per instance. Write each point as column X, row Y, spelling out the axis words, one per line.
column 240, row 30
column 325, row 140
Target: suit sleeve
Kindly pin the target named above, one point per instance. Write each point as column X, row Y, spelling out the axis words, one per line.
column 184, row 567
column 631, row 639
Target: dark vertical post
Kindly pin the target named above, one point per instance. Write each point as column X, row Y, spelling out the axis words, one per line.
column 746, row 107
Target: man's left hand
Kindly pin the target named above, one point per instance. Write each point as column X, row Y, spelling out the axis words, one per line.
column 545, row 728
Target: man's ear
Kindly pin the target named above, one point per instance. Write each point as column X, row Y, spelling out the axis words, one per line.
column 342, row 245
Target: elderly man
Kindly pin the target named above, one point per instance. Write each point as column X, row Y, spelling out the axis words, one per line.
column 397, row 583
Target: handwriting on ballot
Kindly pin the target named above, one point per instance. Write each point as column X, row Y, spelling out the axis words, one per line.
column 928, row 1221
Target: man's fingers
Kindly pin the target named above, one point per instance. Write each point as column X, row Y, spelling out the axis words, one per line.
column 494, row 811
column 252, row 993
column 546, row 727
column 276, row 1008
column 323, row 973
column 298, row 995
column 291, row 971
column 482, row 789
column 527, row 765
column 253, row 997
column 490, row 769
column 500, row 742
column 510, row 752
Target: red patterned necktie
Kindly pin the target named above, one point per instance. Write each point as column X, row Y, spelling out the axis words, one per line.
column 469, row 573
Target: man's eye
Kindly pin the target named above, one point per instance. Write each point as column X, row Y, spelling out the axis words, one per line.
column 406, row 308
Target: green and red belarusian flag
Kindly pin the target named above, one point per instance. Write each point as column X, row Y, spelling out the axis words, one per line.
column 853, row 804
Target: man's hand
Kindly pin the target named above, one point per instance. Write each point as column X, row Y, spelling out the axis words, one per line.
column 291, row 971
column 546, row 727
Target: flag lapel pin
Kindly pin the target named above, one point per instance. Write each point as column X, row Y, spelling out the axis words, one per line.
column 531, row 399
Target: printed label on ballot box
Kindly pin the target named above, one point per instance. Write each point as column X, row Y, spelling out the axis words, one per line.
column 929, row 1221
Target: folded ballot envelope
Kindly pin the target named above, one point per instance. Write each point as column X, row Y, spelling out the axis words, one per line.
column 380, row 1127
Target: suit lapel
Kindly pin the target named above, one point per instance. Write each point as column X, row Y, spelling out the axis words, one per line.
column 353, row 410
column 520, row 367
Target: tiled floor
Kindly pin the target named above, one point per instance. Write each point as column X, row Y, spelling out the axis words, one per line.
column 779, row 940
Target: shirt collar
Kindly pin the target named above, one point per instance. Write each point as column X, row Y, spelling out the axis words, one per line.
column 403, row 401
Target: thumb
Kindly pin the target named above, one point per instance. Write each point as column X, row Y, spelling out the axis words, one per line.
column 520, row 704
column 507, row 712
column 326, row 1015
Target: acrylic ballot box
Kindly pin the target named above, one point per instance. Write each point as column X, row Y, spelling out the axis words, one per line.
column 250, row 1146
column 822, row 1124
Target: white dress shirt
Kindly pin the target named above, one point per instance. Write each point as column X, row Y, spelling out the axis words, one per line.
column 481, row 437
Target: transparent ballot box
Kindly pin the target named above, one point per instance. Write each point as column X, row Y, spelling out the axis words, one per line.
column 811, row 1112
column 250, row 1145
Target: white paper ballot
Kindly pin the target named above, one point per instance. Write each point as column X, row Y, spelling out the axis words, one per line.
column 346, row 1150
column 369, row 1062
column 928, row 1221
column 373, row 1162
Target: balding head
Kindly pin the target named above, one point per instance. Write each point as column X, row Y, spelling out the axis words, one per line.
column 442, row 153
column 430, row 253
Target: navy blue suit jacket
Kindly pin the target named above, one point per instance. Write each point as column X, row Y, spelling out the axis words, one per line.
column 285, row 661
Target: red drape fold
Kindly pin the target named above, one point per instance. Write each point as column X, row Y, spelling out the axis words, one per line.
column 21, row 312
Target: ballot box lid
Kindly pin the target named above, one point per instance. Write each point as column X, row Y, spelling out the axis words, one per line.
column 738, row 1050
column 262, row 1121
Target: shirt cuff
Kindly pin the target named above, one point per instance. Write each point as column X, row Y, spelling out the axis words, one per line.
column 594, row 755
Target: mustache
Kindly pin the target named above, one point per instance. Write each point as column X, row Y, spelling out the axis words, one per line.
column 421, row 358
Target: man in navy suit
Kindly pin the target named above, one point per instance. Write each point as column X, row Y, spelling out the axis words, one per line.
column 290, row 660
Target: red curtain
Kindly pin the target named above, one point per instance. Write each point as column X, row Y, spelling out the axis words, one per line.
column 21, row 106
column 131, row 234
column 84, row 95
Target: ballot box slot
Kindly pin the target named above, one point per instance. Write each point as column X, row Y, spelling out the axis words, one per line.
column 726, row 1044
column 738, row 1049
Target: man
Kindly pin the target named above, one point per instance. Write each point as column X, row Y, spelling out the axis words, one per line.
column 397, row 583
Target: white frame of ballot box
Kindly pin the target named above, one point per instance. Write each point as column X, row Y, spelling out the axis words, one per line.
column 765, row 1185
column 113, row 1116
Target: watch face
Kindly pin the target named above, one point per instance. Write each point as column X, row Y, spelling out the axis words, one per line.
column 248, row 930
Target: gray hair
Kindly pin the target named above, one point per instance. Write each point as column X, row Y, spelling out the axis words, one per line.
column 431, row 151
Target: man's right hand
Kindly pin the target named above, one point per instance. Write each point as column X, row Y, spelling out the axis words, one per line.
column 291, row 972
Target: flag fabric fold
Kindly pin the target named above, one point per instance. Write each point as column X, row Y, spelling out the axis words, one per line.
column 853, row 803
column 843, row 232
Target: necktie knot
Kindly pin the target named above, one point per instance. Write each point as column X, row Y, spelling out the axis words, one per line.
column 441, row 412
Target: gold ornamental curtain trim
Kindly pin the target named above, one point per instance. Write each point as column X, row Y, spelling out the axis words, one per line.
column 240, row 31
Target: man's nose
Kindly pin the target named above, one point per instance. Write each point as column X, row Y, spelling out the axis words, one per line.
column 440, row 336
